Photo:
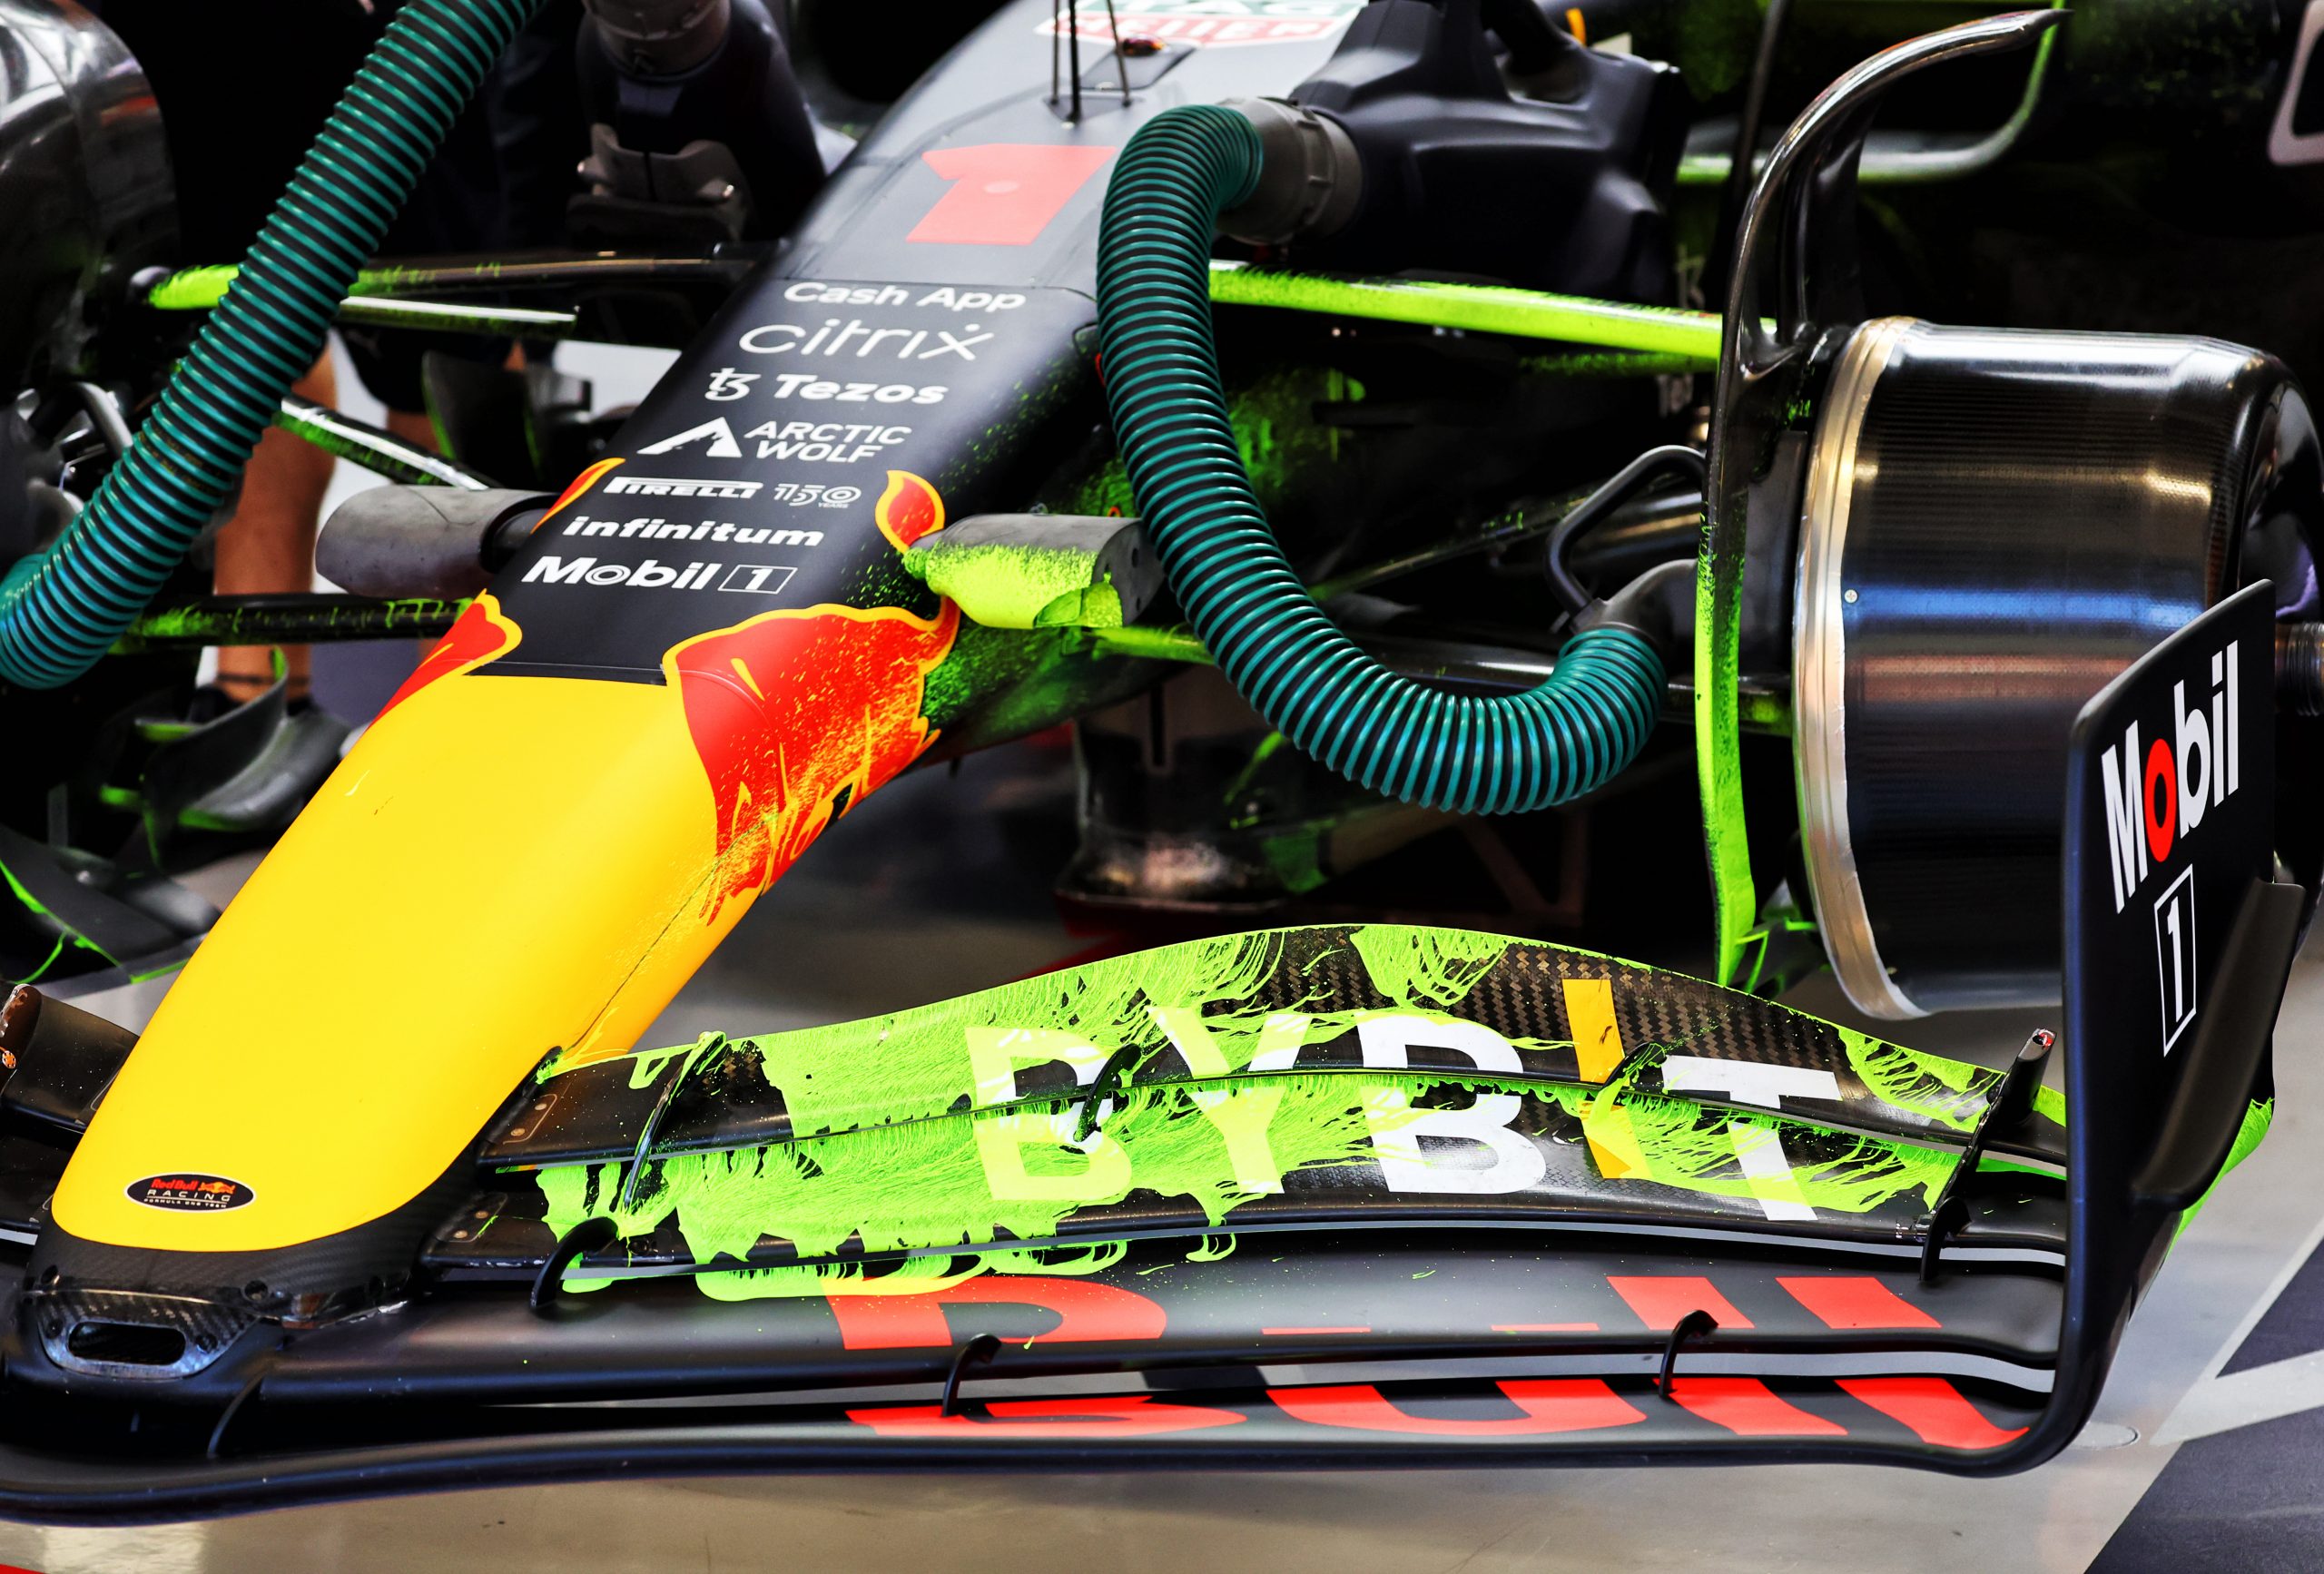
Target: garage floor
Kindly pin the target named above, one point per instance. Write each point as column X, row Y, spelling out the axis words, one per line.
column 2227, row 1353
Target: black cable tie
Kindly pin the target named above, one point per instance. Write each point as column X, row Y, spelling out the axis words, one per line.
column 576, row 1243
column 1695, row 1324
column 1949, row 1215
column 1111, row 1081
column 2012, row 1101
column 243, row 1396
column 983, row 1347
column 710, row 1043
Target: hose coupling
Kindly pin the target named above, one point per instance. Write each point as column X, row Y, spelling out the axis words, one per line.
column 661, row 37
column 1310, row 182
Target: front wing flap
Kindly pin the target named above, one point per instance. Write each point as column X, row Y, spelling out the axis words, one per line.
column 1345, row 1196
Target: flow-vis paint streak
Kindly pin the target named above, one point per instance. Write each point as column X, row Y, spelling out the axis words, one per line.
column 1232, row 1083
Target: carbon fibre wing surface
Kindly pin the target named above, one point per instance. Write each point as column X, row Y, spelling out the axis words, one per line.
column 1360, row 1197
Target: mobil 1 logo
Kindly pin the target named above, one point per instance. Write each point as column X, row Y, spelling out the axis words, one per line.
column 2174, row 951
column 2170, row 816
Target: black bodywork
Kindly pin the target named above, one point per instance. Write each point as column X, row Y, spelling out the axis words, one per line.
column 1968, row 1335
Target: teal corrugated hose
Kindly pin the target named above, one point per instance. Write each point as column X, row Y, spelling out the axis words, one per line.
column 1311, row 683
column 61, row 609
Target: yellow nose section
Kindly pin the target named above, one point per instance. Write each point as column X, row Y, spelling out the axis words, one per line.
column 502, row 866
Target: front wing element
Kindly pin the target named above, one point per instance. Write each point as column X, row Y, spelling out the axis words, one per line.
column 1368, row 1197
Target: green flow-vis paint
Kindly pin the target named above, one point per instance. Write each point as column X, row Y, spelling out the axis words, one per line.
column 1718, row 743
column 1323, row 998
column 1214, row 1083
column 1476, row 309
column 2257, row 1115
column 1952, row 1093
column 1226, row 1155
column 1017, row 585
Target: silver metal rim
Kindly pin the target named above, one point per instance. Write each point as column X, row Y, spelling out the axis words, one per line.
column 1819, row 677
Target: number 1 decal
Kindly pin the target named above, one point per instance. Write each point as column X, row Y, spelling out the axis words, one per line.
column 2174, row 946
column 1004, row 193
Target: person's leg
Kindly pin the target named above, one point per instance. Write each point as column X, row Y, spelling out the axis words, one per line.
column 413, row 426
column 269, row 546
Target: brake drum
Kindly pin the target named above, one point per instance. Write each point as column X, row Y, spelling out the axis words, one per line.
column 1995, row 523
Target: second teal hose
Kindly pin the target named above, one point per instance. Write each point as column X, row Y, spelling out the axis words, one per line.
column 61, row 609
column 1501, row 754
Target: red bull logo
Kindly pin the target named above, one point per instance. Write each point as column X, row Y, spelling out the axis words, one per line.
column 797, row 715
column 481, row 633
column 192, row 1194
column 908, row 509
column 581, row 484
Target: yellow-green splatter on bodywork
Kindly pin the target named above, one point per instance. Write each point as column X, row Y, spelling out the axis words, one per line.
column 926, row 1184
column 2258, row 1116
column 1425, row 967
column 1277, row 437
column 1231, row 998
column 1678, row 1143
column 1013, row 585
column 893, row 1123
column 1476, row 308
column 1950, row 1092
column 916, row 1064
